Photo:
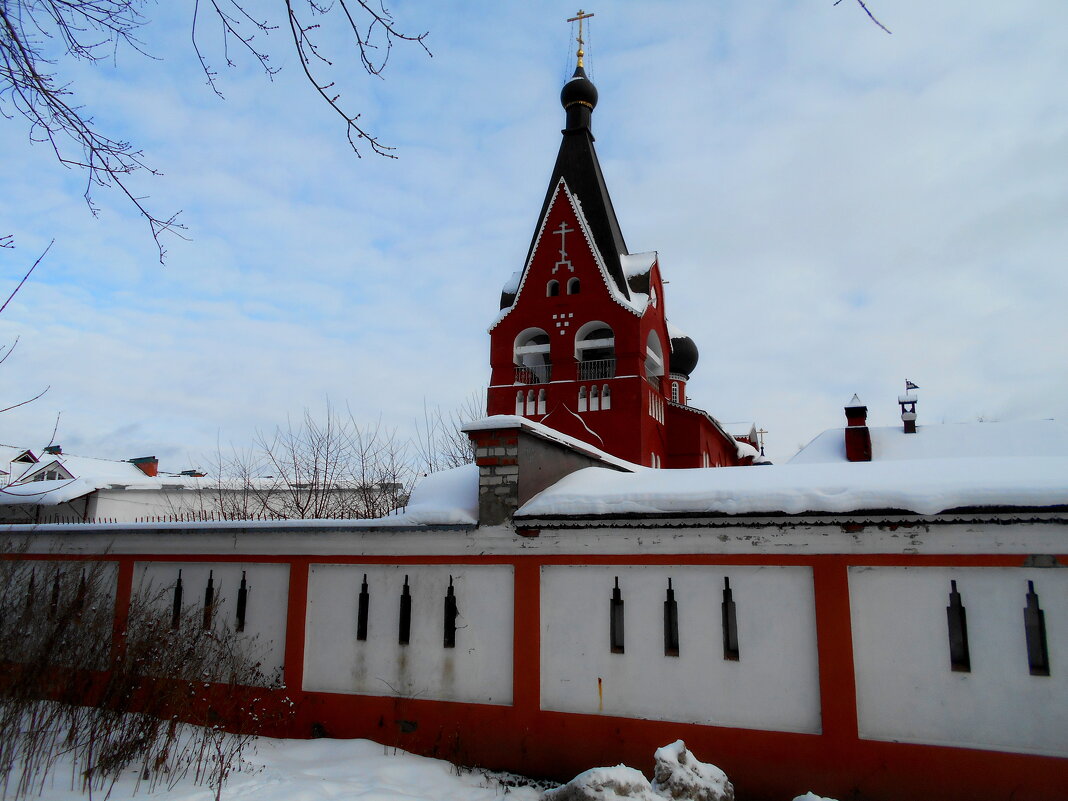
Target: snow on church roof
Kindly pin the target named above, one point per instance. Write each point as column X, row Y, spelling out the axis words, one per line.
column 637, row 263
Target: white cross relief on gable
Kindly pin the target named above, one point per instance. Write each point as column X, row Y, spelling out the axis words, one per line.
column 563, row 230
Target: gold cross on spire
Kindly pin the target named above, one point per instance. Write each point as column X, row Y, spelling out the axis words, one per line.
column 578, row 18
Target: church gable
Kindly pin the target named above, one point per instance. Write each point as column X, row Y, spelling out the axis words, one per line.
column 564, row 260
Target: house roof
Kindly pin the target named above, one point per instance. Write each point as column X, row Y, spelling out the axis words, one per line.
column 928, row 487
column 87, row 474
column 941, row 468
column 1023, row 439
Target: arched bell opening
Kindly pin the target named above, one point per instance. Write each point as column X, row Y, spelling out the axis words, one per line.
column 595, row 351
column 531, row 356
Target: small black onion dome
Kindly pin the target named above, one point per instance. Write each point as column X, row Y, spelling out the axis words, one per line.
column 684, row 354
column 579, row 89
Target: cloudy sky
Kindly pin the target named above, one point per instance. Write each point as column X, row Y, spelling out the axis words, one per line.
column 837, row 209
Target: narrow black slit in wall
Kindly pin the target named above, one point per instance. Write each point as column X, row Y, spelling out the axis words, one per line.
column 79, row 599
column 450, row 616
column 209, row 600
column 361, row 611
column 1035, row 629
column 242, row 602
column 671, row 623
column 54, row 605
column 176, row 605
column 959, row 658
column 730, row 623
column 31, row 592
column 616, row 624
column 405, row 615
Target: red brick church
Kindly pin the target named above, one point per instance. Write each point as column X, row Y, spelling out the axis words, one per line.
column 583, row 343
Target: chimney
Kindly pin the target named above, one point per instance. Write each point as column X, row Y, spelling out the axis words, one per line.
column 149, row 465
column 908, row 411
column 857, row 435
column 54, row 450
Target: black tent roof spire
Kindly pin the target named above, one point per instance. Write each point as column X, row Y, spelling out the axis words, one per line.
column 577, row 164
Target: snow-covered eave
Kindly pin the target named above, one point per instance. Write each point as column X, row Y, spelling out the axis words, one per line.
column 510, row 421
column 636, row 305
column 1003, row 513
column 637, row 264
column 384, row 525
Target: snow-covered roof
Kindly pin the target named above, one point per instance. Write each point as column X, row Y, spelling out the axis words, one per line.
column 923, row 487
column 637, row 263
column 1022, row 439
column 739, row 429
column 87, row 474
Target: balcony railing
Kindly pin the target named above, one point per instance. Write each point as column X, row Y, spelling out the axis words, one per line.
column 596, row 369
column 538, row 374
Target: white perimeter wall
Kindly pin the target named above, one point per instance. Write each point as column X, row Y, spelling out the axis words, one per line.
column 773, row 686
column 265, row 612
column 477, row 670
column 905, row 688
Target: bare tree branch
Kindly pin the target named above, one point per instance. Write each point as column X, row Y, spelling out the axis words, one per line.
column 868, row 12
column 11, row 348
column 95, row 30
column 23, row 281
column 89, row 30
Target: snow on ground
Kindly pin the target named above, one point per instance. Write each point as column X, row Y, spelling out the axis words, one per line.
column 362, row 770
column 313, row 770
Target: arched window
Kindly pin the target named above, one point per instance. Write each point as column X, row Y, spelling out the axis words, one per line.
column 674, row 391
column 595, row 351
column 606, row 397
column 531, row 409
column 582, row 399
column 552, row 289
column 573, row 286
column 595, row 399
column 654, row 359
column 541, row 401
column 531, row 356
column 519, row 403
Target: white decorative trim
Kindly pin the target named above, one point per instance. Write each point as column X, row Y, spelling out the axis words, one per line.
column 635, row 306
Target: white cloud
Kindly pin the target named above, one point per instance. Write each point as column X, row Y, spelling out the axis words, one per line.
column 836, row 210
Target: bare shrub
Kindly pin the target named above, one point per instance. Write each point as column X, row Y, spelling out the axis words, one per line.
column 114, row 700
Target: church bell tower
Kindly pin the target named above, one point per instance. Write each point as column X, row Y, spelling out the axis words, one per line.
column 582, row 343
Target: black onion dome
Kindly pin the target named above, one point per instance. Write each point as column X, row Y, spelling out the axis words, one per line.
column 579, row 89
column 684, row 353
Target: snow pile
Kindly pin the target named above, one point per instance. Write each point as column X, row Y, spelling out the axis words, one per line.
column 927, row 486
column 446, row 498
column 605, row 784
column 811, row 796
column 678, row 776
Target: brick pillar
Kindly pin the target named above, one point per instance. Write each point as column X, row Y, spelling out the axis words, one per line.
column 497, row 457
